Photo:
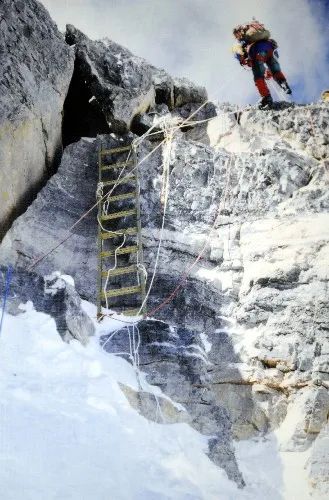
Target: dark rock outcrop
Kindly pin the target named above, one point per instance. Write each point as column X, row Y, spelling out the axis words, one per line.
column 120, row 82
column 176, row 360
column 123, row 85
column 69, row 193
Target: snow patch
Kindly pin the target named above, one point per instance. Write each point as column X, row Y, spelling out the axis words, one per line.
column 69, row 432
column 205, row 342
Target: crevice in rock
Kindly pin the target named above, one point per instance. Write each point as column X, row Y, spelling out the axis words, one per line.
column 140, row 125
column 82, row 115
column 45, row 138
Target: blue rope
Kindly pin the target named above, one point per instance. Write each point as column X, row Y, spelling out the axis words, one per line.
column 6, row 293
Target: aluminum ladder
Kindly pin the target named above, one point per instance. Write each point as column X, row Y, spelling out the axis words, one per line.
column 121, row 269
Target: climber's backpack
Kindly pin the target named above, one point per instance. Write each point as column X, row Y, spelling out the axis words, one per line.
column 251, row 32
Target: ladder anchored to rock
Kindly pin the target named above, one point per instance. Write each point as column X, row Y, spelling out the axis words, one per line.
column 121, row 271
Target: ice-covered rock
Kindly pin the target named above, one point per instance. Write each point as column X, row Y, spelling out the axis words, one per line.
column 175, row 360
column 259, row 220
column 53, row 295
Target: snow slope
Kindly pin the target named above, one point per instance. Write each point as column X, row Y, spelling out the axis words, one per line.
column 68, row 432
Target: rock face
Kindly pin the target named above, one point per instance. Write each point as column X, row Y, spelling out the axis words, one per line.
column 256, row 210
column 126, row 86
column 120, row 82
column 243, row 342
column 67, row 195
column 320, row 464
column 37, row 66
column 177, row 361
column 75, row 181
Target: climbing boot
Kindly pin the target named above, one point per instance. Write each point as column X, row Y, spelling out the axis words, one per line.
column 266, row 102
column 285, row 87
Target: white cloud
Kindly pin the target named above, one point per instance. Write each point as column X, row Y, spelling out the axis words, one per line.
column 193, row 38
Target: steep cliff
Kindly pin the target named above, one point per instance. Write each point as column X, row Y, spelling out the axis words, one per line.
column 243, row 343
column 36, row 69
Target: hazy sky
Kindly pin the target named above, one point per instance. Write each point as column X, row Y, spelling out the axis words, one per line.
column 193, row 38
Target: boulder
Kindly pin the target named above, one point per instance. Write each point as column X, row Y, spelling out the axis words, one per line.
column 164, row 87
column 120, row 82
column 176, row 92
column 186, row 92
column 54, row 295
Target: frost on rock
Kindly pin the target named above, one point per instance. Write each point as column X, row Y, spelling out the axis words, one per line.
column 259, row 293
column 54, row 295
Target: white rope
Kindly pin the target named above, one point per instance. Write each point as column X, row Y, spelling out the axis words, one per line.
column 168, row 137
column 112, row 269
column 164, row 199
column 141, row 268
column 169, row 134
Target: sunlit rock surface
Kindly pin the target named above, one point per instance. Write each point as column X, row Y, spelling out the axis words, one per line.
column 36, row 69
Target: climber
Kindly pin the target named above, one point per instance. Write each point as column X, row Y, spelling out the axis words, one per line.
column 255, row 49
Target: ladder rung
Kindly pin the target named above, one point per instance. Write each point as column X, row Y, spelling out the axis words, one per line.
column 122, row 291
column 119, row 271
column 117, row 165
column 123, row 180
column 119, row 232
column 115, row 150
column 131, row 312
column 120, row 251
column 117, row 215
column 125, row 196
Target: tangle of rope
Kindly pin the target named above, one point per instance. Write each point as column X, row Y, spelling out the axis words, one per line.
column 85, row 214
column 184, row 277
column 165, row 191
column 186, row 274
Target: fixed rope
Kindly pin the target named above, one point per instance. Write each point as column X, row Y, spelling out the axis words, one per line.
column 184, row 277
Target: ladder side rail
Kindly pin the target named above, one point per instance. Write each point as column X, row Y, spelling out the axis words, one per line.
column 139, row 235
